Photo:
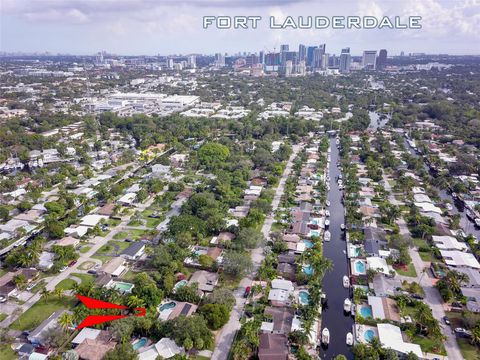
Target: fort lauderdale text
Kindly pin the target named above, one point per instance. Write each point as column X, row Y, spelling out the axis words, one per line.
column 314, row 22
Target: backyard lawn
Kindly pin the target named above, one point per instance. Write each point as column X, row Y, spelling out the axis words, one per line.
column 41, row 310
column 406, row 270
column 65, row 284
column 84, row 277
column 7, row 353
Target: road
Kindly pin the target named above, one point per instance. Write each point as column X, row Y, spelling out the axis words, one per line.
column 227, row 333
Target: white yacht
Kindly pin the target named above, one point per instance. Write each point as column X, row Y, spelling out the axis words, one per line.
column 325, row 336
column 327, row 203
column 327, row 236
column 342, row 227
column 327, row 213
column 347, row 305
column 327, row 223
column 346, row 281
column 349, row 339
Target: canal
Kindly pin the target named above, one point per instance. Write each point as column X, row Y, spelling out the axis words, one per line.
column 333, row 317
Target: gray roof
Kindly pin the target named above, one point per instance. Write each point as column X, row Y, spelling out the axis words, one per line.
column 133, row 249
column 375, row 239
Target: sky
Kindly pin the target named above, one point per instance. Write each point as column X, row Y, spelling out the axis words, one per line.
column 168, row 27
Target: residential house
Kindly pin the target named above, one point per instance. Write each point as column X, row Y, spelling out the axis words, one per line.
column 95, row 349
column 279, row 320
column 67, row 241
column 134, row 251
column 281, row 292
column 206, row 280
column 448, row 243
column 390, row 336
column 273, row 347
column 115, row 267
column 375, row 240
column 459, row 258
column 45, row 261
column 165, row 348
column 383, row 286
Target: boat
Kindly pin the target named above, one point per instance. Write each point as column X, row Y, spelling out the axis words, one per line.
column 327, row 213
column 327, row 203
column 346, row 281
column 349, row 339
column 327, row 223
column 449, row 207
column 325, row 336
column 347, row 305
column 342, row 227
column 327, row 236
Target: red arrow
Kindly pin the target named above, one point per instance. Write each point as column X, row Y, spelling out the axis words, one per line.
column 91, row 320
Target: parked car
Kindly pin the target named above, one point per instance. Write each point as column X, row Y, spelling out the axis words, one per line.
column 3, row 299
column 463, row 332
column 30, row 286
column 73, row 262
column 63, row 268
column 246, row 294
column 446, row 320
column 92, row 271
column 417, row 296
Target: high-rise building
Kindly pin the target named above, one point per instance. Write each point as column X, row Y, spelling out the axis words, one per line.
column 302, row 52
column 288, row 68
column 251, row 60
column 261, row 57
column 382, row 59
column 310, row 53
column 192, row 62
column 284, row 48
column 283, row 55
column 318, row 58
column 345, row 60
column 170, row 63
column 301, row 68
column 369, row 59
column 325, row 58
column 219, row 60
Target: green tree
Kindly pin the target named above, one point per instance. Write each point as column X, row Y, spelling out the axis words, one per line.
column 212, row 154
column 237, row 264
column 216, row 315
column 122, row 351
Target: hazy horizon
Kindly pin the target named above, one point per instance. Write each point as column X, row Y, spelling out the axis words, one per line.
column 148, row 27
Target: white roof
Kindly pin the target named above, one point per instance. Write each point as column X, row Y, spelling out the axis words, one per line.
column 127, row 198
column 376, row 303
column 278, row 295
column 167, row 348
column 13, row 224
column 428, row 207
column 391, row 337
column 448, row 243
column 76, row 231
column 422, row 198
column 86, row 333
column 92, row 220
column 378, row 264
column 459, row 258
column 282, row 284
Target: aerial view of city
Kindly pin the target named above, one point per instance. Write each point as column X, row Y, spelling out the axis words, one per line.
column 234, row 180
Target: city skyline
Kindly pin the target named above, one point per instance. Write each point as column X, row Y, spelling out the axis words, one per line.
column 143, row 27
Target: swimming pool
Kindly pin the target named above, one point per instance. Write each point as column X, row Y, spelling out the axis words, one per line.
column 168, row 306
column 366, row 311
column 307, row 269
column 314, row 233
column 360, row 267
column 123, row 286
column 304, row 297
column 308, row 244
column 180, row 284
column 140, row 343
column 314, row 222
column 369, row 335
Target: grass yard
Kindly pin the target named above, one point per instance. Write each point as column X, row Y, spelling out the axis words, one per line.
column 428, row 345
column 84, row 249
column 84, row 277
column 41, row 310
column 65, row 284
column 103, row 259
column 86, row 265
column 138, row 233
column 7, row 353
column 3, row 316
column 38, row 287
column 113, row 248
column 469, row 351
column 409, row 271
column 122, row 235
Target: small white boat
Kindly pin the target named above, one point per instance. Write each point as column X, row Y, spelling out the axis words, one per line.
column 327, row 213
column 327, row 223
column 327, row 203
column 347, row 305
column 449, row 207
column 346, row 281
column 327, row 236
column 349, row 339
column 342, row 227
column 325, row 336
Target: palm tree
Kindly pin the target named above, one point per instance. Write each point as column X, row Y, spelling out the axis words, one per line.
column 475, row 338
column 45, row 294
column 58, row 292
column 135, row 302
column 66, row 320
